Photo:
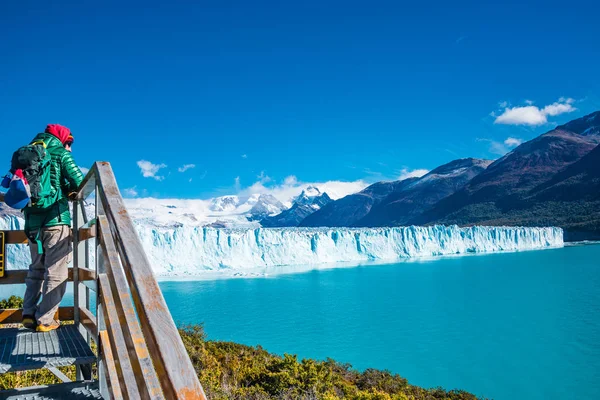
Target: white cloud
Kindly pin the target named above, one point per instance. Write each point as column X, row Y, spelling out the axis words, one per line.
column 237, row 184
column 533, row 115
column 559, row 107
column 130, row 192
column 512, row 142
column 186, row 167
column 84, row 170
column 405, row 173
column 150, row 170
column 528, row 115
column 244, row 155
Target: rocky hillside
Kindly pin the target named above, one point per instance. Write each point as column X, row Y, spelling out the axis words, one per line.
column 546, row 181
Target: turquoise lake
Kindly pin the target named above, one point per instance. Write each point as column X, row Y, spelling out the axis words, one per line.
column 503, row 326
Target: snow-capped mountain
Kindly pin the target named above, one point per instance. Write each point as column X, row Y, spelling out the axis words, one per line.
column 312, row 197
column 309, row 201
column 224, row 203
column 266, row 205
column 231, row 211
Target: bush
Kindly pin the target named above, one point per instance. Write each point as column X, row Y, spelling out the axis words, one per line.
column 234, row 371
column 12, row 302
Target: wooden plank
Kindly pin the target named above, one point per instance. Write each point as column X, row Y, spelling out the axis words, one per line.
column 110, row 368
column 20, row 237
column 15, row 237
column 132, row 332
column 15, row 315
column 173, row 365
column 87, row 233
column 88, row 320
column 85, row 274
column 18, row 276
column 117, row 342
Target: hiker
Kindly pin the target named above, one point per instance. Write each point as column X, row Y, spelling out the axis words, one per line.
column 48, row 228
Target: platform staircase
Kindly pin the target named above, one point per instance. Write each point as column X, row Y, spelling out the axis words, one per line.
column 119, row 333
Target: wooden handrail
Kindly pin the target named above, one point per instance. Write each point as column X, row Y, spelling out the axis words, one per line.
column 175, row 370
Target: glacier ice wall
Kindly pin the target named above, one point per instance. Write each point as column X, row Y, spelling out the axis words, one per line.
column 17, row 256
column 187, row 250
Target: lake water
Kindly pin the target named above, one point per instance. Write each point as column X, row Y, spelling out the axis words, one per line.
column 503, row 326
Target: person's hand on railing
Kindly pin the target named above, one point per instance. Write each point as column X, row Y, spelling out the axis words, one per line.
column 72, row 196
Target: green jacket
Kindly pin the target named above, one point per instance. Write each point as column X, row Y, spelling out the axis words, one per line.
column 65, row 177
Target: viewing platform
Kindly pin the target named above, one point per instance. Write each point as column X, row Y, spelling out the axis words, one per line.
column 124, row 347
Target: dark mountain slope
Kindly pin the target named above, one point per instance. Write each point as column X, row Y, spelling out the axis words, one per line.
column 522, row 187
column 400, row 206
column 350, row 209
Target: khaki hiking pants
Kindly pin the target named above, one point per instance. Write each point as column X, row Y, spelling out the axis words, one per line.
column 48, row 273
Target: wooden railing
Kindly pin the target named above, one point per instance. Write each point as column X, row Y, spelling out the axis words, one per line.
column 140, row 352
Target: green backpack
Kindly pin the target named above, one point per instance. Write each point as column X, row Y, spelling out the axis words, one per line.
column 35, row 162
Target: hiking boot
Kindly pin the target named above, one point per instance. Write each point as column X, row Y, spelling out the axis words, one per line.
column 29, row 322
column 47, row 328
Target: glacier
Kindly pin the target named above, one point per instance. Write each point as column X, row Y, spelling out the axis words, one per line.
column 194, row 250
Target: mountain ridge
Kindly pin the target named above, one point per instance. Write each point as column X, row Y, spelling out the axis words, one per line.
column 391, row 203
column 505, row 193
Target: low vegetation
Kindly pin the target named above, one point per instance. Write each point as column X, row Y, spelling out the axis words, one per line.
column 234, row 371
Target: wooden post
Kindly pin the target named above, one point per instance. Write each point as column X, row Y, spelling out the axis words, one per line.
column 77, row 262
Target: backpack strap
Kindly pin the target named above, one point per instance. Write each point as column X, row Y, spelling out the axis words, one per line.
column 39, row 142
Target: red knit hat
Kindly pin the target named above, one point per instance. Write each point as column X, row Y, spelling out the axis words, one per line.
column 61, row 132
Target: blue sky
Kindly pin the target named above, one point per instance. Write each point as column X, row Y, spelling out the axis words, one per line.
column 260, row 91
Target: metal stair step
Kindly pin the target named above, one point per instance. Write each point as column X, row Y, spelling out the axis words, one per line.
column 70, row 391
column 22, row 349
